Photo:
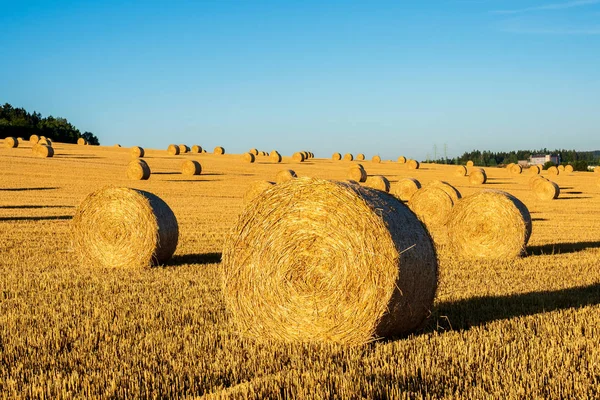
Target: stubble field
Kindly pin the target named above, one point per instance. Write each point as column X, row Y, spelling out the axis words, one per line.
column 524, row 328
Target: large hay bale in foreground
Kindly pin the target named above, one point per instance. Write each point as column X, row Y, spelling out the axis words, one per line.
column 191, row 168
column 219, row 150
column 402, row 160
column 285, row 175
column 137, row 151
column 569, row 168
column 33, row 139
column 357, row 173
column 378, row 182
column 470, row 163
column 360, row 157
column 138, row 170
column 477, row 177
column 81, row 141
column 275, row 156
column 448, row 188
column 173, row 149
column 43, row 151
column 256, row 189
column 413, row 164
column 405, row 188
column 535, row 170
column 298, row 156
column 196, row 149
column 461, row 170
column 489, row 225
column 376, row 159
column 120, row 227
column 336, row 157
column 546, row 190
column 11, row 142
column 249, row 157
column 553, row 170
column 361, row 265
column 432, row 205
column 348, row 157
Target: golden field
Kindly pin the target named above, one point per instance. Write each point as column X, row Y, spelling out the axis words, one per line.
column 524, row 328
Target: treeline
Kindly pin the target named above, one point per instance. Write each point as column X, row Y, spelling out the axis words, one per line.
column 579, row 159
column 17, row 122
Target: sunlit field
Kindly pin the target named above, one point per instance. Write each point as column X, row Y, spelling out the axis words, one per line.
column 523, row 328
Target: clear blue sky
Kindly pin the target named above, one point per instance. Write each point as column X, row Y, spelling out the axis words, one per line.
column 386, row 77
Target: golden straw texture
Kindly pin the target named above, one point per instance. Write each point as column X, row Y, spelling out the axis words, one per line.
column 138, row 170
column 191, row 167
column 298, row 156
column 117, row 145
column 546, row 190
column 489, row 225
column 477, row 177
column 137, row 151
column 553, row 170
column 196, row 149
column 432, row 205
column 378, row 182
column 122, row 228
column 405, row 188
column 183, row 149
column 11, row 142
column 319, row 261
column 461, row 170
column 285, row 175
column 569, row 168
column 336, row 157
column 535, row 169
column 448, row 188
column 348, row 157
column 43, row 151
column 376, row 159
column 173, row 149
column 561, row 168
column 275, row 156
column 219, row 150
column 357, row 173
column 470, row 163
column 81, row 141
column 256, row 189
column 249, row 157
column 360, row 157
column 33, row 139
column 254, row 151
column 516, row 169
column 402, row 160
column 413, row 164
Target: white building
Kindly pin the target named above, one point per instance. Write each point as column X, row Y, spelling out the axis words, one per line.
column 541, row 159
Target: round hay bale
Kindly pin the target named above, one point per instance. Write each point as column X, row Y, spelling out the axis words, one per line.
column 306, row 155
column 312, row 155
column 81, row 141
column 138, row 170
column 219, row 150
column 378, row 182
column 448, row 188
column 405, row 188
column 413, row 164
column 275, row 156
column 432, row 205
column 477, row 177
column 489, row 225
column 33, row 139
column 191, row 167
column 597, row 170
column 336, row 157
column 43, row 151
column 376, row 159
column 249, row 157
column 534, row 169
column 569, row 168
column 137, row 151
column 402, row 160
column 516, row 169
column 357, row 173
column 553, row 170
column 256, row 189
column 360, row 157
column 561, row 168
column 546, row 190
column 348, row 157
column 45, row 142
column 119, row 227
column 11, row 143
column 254, row 151
column 196, row 149
column 461, row 170
column 183, row 149
column 117, row 145
column 535, row 179
column 470, row 163
column 298, row 156
column 368, row 270
column 285, row 175
column 173, row 149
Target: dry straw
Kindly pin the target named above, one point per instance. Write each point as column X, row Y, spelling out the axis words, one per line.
column 45, row 142
column 254, row 151
column 535, row 179
column 285, row 175
column 298, row 156
column 306, row 155
column 546, row 190
column 489, row 225
column 357, row 173
column 122, row 228
column 191, row 167
column 569, row 168
column 249, row 157
column 43, row 151
column 117, row 145
column 348, row 157
column 173, row 149
column 553, row 170
column 33, row 139
column 461, row 170
column 137, row 151
column 360, row 157
column 256, row 189
column 81, row 141
column 336, row 157
column 561, row 168
column 516, row 169
column 432, row 205
column 470, row 163
column 402, row 160
column 275, row 156
column 196, row 149
column 413, row 164
column 11, row 142
column 405, row 188
column 477, row 177
column 448, row 188
column 597, row 170
column 378, row 182
column 138, row 170
column 376, row 159
column 219, row 150
column 322, row 261
column 535, row 169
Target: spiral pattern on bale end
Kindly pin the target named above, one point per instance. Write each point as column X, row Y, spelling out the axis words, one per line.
column 491, row 225
column 120, row 227
column 191, row 168
column 137, row 151
column 11, row 142
column 448, row 188
column 348, row 157
column 319, row 261
column 378, row 182
column 285, row 175
column 138, row 170
column 405, row 188
column 256, row 189
column 432, row 205
column 357, row 173
column 360, row 157
column 545, row 189
column 477, row 177
column 173, row 149
column 516, row 169
column 219, row 150
column 183, row 149
column 43, row 151
column 413, row 164
column 249, row 157
column 553, row 170
column 535, row 170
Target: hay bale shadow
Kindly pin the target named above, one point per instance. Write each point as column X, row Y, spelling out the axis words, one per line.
column 561, row 248
column 203, row 258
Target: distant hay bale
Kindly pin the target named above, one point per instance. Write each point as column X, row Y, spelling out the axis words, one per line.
column 569, row 168
column 516, row 169
column 402, row 160
column 191, row 167
column 275, row 156
column 378, row 182
column 561, row 168
column 264, row 154
column 553, row 170
column 432, row 205
column 489, row 225
column 360, row 157
column 138, row 170
column 306, row 155
column 255, row 189
column 44, row 141
column 470, row 163
column 405, row 188
column 336, row 157
column 376, row 159
column 357, row 173
column 534, row 169
column 118, row 227
column 298, row 156
column 546, row 190
column 117, row 145
column 249, row 157
column 11, row 143
column 254, row 151
column 173, row 149
column 43, row 151
column 196, row 149
column 368, row 270
column 477, row 177
column 183, row 149
column 81, row 141
column 413, row 164
column 348, row 157
column 137, row 151
column 33, row 139
column 219, row 150
column 284, row 176
column 461, row 170
column 448, row 188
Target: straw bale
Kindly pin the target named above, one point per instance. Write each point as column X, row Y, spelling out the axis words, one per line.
column 191, row 167
column 569, row 168
column 535, row 170
column 535, row 179
column 489, row 225
column 138, row 170
column 470, row 163
column 117, row 145
column 196, row 149
column 173, row 149
column 553, row 170
column 376, row 159
column 348, row 157
column 516, row 169
column 275, row 156
column 117, row 227
column 81, row 141
column 320, row 261
column 219, row 150
column 378, row 182
column 249, row 157
column 357, row 173
column 432, row 205
column 256, row 189
column 477, row 176
column 546, row 190
column 137, row 151
column 461, row 170
column 360, row 157
column 561, row 168
column 336, row 157
column 33, row 139
column 448, row 188
column 285, row 175
column 43, row 151
column 413, row 164
column 402, row 160
column 264, row 154
column 306, row 155
column 254, row 151
column 405, row 188
column 44, row 141
column 183, row 149
column 11, row 143
column 298, row 156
